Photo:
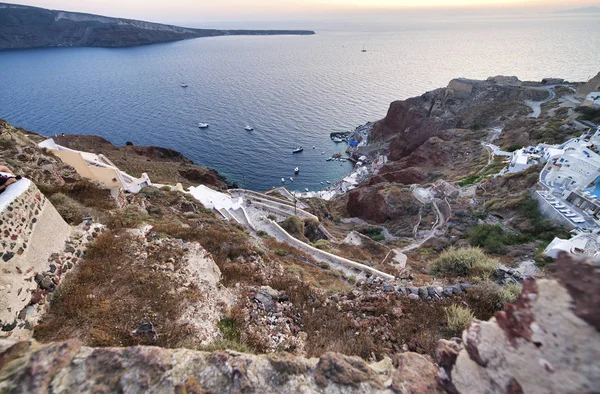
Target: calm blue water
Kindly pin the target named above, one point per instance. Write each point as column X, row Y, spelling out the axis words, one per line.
column 293, row 90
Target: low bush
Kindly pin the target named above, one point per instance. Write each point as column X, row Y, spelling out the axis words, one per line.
column 487, row 298
column 322, row 244
column 458, row 318
column 312, row 231
column 375, row 233
column 510, row 293
column 469, row 262
column 294, row 226
column 262, row 234
column 589, row 113
column 72, row 211
column 514, row 147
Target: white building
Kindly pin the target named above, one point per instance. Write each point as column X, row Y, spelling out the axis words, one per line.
column 578, row 166
column 585, row 243
column 521, row 160
column 97, row 167
column 592, row 100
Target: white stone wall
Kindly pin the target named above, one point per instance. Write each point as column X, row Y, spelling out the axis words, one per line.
column 31, row 231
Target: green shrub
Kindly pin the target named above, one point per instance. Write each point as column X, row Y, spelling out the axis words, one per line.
column 514, row 147
column 470, row 262
column 510, row 293
column 487, row 298
column 491, row 236
column 231, row 338
column 352, row 280
column 262, row 234
column 458, row 318
column 375, row 233
column 322, row 244
column 294, row 226
column 272, row 217
column 280, row 252
column 311, row 230
column 589, row 113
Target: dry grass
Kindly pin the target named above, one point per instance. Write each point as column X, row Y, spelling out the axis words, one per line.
column 79, row 200
column 112, row 292
column 72, row 211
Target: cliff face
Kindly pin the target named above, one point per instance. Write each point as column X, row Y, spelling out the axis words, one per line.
column 32, row 27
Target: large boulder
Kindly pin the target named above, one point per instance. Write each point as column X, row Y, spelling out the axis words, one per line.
column 68, row 367
column 548, row 341
column 382, row 203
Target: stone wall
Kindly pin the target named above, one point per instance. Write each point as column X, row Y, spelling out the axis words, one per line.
column 31, row 231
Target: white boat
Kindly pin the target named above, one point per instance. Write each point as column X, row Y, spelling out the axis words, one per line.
column 329, row 183
column 296, row 170
column 202, row 125
column 314, row 147
column 291, row 179
column 248, row 128
column 306, row 188
column 282, row 180
column 184, row 85
column 298, row 149
column 322, row 183
column 337, row 139
column 329, row 159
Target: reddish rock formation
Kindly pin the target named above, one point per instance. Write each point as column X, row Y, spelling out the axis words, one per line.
column 382, row 203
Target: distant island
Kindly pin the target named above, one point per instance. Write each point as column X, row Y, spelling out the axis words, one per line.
column 32, row 27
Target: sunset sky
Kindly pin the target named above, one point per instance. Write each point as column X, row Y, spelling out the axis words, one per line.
column 187, row 10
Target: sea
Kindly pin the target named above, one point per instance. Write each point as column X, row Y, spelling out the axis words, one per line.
column 293, row 90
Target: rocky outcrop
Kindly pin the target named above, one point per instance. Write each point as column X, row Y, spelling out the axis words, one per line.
column 63, row 367
column 593, row 85
column 548, row 341
column 459, row 88
column 382, row 203
column 506, row 80
column 32, row 27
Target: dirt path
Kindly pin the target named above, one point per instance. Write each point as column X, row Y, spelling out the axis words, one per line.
column 425, row 196
column 536, row 106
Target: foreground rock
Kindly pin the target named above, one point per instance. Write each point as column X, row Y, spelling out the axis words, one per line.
column 548, row 341
column 69, row 367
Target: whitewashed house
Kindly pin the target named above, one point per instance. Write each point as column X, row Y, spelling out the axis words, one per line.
column 578, row 166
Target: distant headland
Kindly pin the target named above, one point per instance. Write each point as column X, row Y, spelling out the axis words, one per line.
column 32, row 27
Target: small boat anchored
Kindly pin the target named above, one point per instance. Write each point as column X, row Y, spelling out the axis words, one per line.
column 298, row 149
column 296, row 170
column 291, row 179
column 282, row 180
column 337, row 139
column 184, row 85
column 248, row 128
column 202, row 125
